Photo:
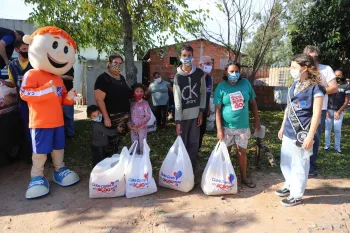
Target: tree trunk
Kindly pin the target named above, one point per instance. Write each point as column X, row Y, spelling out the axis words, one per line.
column 130, row 68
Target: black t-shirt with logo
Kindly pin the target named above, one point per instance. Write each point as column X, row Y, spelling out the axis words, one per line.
column 118, row 93
column 336, row 100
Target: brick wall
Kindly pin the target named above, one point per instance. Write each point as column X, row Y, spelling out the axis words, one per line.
column 200, row 47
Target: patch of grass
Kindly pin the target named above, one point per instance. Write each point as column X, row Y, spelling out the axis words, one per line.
column 331, row 164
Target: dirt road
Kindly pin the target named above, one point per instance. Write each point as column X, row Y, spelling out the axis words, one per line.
column 325, row 208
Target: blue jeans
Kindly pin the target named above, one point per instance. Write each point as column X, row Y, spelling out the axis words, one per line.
column 318, row 134
column 337, row 130
column 68, row 113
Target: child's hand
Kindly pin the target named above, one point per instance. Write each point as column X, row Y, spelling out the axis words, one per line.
column 120, row 129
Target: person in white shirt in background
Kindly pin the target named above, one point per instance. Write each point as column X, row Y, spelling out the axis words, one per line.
column 329, row 82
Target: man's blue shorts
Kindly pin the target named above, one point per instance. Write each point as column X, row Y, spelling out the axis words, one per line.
column 46, row 140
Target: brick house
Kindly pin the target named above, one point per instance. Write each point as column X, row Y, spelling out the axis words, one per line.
column 165, row 60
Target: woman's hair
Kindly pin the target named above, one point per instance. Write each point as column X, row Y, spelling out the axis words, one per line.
column 232, row 63
column 312, row 70
column 156, row 73
column 91, row 109
column 114, row 56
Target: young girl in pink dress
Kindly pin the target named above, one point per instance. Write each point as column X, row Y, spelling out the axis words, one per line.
column 140, row 115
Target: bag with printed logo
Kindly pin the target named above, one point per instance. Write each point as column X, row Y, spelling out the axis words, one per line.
column 107, row 179
column 176, row 171
column 139, row 179
column 219, row 177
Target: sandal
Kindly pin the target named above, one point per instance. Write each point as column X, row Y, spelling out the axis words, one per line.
column 249, row 184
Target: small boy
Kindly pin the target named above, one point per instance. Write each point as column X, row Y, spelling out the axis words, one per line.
column 99, row 134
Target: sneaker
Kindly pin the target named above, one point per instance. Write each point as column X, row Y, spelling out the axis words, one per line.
column 326, row 148
column 290, row 201
column 338, row 151
column 65, row 177
column 282, row 192
column 37, row 187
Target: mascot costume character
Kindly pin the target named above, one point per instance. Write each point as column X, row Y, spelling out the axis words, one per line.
column 51, row 53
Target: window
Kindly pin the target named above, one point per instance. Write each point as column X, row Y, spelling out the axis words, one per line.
column 174, row 61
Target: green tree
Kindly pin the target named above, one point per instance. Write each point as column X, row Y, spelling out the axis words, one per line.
column 325, row 24
column 267, row 37
column 129, row 26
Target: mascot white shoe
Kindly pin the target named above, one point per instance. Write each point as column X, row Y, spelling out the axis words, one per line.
column 51, row 53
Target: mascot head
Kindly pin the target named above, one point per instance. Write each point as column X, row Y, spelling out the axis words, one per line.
column 51, row 49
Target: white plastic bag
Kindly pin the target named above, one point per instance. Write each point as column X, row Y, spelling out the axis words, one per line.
column 152, row 123
column 176, row 171
column 139, row 179
column 219, row 176
column 107, row 179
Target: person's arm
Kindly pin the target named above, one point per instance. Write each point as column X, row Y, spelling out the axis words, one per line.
column 315, row 120
column 170, row 87
column 67, row 77
column 341, row 109
column 218, row 117
column 280, row 132
column 100, row 97
column 3, row 51
column 255, row 111
column 106, row 131
column 31, row 93
column 10, row 83
column 178, row 106
column 332, row 87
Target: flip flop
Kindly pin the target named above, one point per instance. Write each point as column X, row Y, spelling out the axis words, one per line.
column 249, row 184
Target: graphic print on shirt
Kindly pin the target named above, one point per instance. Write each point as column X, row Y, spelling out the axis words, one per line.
column 188, row 92
column 59, row 91
column 237, row 100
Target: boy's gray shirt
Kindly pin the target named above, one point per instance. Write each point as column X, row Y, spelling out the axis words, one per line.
column 189, row 94
column 100, row 134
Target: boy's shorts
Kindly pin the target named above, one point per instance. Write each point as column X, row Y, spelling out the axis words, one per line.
column 240, row 137
column 46, row 140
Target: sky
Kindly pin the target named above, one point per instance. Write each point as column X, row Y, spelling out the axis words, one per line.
column 17, row 9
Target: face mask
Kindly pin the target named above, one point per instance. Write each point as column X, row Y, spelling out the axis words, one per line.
column 138, row 96
column 158, row 80
column 187, row 61
column 98, row 119
column 340, row 80
column 115, row 67
column 295, row 74
column 207, row 69
column 24, row 54
column 233, row 77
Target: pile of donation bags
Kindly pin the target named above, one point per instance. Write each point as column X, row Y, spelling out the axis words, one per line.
column 130, row 174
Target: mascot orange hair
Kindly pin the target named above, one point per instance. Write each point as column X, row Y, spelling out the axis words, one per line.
column 51, row 53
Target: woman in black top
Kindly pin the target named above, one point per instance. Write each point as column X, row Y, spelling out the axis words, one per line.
column 112, row 96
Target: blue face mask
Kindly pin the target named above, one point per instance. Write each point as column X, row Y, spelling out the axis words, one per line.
column 98, row 119
column 187, row 61
column 233, row 77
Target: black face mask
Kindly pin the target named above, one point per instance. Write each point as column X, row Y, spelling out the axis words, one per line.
column 24, row 54
column 340, row 80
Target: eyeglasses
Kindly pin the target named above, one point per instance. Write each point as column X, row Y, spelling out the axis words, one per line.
column 120, row 63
